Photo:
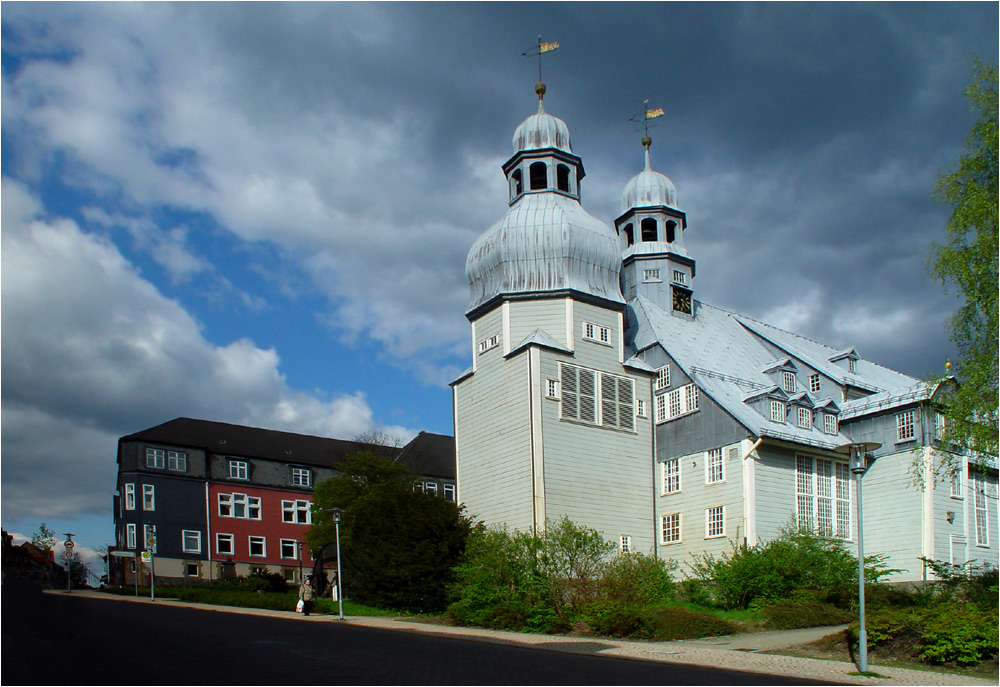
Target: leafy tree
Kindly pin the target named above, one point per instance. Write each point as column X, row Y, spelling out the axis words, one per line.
column 968, row 263
column 398, row 545
column 44, row 538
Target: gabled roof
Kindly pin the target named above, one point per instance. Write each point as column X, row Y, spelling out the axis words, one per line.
column 889, row 399
column 430, row 454
column 541, row 338
column 727, row 356
column 254, row 442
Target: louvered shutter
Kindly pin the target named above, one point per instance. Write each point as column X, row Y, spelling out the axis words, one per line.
column 570, row 399
column 588, row 395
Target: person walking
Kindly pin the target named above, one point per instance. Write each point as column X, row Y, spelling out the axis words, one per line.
column 306, row 595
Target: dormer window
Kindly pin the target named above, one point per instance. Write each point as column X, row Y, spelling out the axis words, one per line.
column 777, row 411
column 829, row 423
column 671, row 230
column 538, row 176
column 562, row 178
column 805, row 418
column 814, row 386
column 788, row 381
column 517, row 183
column 852, row 366
column 629, row 234
column 648, row 227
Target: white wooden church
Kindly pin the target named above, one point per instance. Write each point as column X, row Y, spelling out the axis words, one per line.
column 602, row 389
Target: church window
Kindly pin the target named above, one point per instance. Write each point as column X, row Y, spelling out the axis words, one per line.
column 670, row 528
column 852, row 365
column 595, row 332
column 663, row 377
column 640, row 408
column 489, row 343
column 651, row 275
column 518, row 184
column 823, row 496
column 904, row 426
column 829, row 423
column 714, row 467
column 552, row 388
column 562, row 178
column 982, row 513
column 629, row 234
column 715, row 521
column 661, row 408
column 626, row 543
column 788, row 381
column 648, row 227
column 671, row 230
column 538, row 175
column 616, row 402
column 814, row 383
column 777, row 411
column 680, row 277
column 671, row 475
column 805, row 418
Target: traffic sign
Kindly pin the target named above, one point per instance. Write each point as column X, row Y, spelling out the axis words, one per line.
column 69, row 543
column 123, row 554
column 146, row 556
column 68, row 554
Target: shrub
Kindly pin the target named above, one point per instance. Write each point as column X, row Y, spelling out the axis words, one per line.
column 622, row 620
column 635, row 579
column 960, row 634
column 791, row 614
column 677, row 622
column 967, row 582
column 263, row 582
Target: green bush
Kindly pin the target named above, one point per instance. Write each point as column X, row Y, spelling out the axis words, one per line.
column 263, row 582
column 771, row 571
column 791, row 614
column 677, row 622
column 960, row 634
column 616, row 619
column 635, row 579
column 968, row 582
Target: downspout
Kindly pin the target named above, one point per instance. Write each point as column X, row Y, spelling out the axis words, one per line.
column 208, row 531
column 750, row 495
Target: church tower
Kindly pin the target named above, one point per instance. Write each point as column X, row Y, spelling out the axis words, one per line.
column 552, row 419
column 650, row 230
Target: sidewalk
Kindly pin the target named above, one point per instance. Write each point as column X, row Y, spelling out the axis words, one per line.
column 735, row 652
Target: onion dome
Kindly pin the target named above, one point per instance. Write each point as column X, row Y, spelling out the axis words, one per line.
column 542, row 130
column 648, row 188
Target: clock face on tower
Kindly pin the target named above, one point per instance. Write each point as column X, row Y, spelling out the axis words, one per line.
column 682, row 301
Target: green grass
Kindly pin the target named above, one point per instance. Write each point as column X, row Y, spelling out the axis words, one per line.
column 230, row 595
column 748, row 619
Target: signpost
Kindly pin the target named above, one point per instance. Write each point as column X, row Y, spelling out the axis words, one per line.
column 68, row 555
column 151, row 544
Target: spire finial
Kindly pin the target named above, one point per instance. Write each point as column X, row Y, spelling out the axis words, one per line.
column 644, row 118
column 539, row 50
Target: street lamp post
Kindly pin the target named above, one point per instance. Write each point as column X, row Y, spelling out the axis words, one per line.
column 861, row 460
column 340, row 595
column 299, row 544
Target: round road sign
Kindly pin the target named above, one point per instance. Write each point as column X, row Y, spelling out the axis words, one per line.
column 68, row 554
column 69, row 543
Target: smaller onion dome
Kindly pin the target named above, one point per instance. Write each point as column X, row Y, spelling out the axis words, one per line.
column 649, row 188
column 542, row 130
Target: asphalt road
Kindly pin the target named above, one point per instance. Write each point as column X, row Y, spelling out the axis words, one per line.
column 62, row 639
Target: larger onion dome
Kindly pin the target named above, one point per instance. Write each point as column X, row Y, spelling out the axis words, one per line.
column 542, row 130
column 649, row 188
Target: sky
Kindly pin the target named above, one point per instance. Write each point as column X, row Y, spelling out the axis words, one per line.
column 260, row 213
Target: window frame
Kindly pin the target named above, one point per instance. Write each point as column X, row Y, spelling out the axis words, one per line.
column 651, row 276
column 552, row 388
column 188, row 568
column 295, row 507
column 597, row 333
column 640, row 408
column 788, row 381
column 778, row 411
column 814, row 384
column 148, row 497
column 130, row 535
column 283, row 543
column 156, row 457
column 130, row 496
column 835, row 498
column 221, row 536
column 185, row 534
column 980, row 508
column 662, row 378
column 804, row 417
column 679, row 277
column 625, row 543
column 906, row 427
column 670, row 533
column 177, row 461
column 715, row 466
column 254, row 540
column 830, row 423
column 449, row 492
column 239, row 469
column 149, row 532
column 715, row 516
column 301, row 477
column 670, row 475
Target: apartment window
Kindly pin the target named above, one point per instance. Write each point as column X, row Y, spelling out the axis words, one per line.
column 904, row 426
column 640, row 408
column 777, row 411
column 670, row 528
column 651, row 275
column 431, row 488
column 190, row 541
column 814, row 383
column 149, row 537
column 177, row 461
column 595, row 332
column 671, row 469
column 130, row 496
column 680, row 277
column 155, row 457
column 981, row 512
column 238, row 469
column 449, row 492
column 714, row 466
column 579, row 394
column 829, row 423
column 224, row 545
column 258, row 547
column 788, row 381
column 715, row 522
column 823, row 496
column 288, row 574
column 296, row 512
column 239, row 506
column 805, row 418
column 148, row 497
column 289, row 549
column 663, row 377
column 301, row 477
column 625, row 543
column 617, row 396
column 130, row 535
column 552, row 388
column 191, row 569
column 491, row 342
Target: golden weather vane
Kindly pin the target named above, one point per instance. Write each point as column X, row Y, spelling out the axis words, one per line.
column 540, row 50
column 643, row 119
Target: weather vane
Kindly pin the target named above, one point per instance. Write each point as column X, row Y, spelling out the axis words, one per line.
column 643, row 119
column 539, row 50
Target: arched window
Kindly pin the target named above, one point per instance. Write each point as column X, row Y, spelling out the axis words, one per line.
column 518, row 185
column 562, row 178
column 648, row 226
column 538, row 175
column 629, row 237
column 671, row 229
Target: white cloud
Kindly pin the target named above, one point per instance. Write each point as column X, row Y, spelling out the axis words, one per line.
column 98, row 352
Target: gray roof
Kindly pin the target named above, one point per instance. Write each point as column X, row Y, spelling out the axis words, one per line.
column 429, row 454
column 727, row 354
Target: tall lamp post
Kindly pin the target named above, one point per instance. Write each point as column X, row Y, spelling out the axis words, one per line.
column 340, row 595
column 861, row 459
column 300, row 545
